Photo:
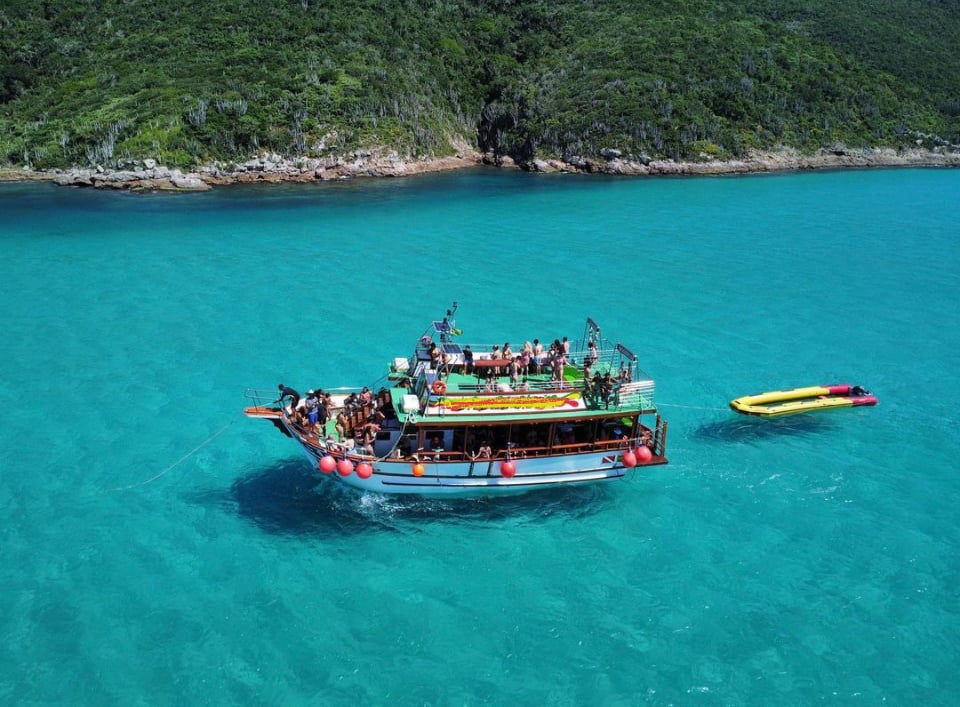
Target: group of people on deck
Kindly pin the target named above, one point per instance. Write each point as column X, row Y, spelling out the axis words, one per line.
column 313, row 412
column 532, row 358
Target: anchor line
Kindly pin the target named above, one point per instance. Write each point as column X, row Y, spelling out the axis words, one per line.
column 179, row 461
column 689, row 407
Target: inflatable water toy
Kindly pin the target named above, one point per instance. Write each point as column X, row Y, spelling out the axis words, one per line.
column 778, row 403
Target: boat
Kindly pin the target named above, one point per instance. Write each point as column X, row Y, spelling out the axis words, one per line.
column 778, row 403
column 458, row 419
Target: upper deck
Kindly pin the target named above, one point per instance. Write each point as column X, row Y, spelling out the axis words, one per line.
column 464, row 383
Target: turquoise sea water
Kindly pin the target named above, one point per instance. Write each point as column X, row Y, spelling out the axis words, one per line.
column 158, row 548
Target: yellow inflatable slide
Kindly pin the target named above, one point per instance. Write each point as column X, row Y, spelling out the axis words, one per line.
column 778, row 403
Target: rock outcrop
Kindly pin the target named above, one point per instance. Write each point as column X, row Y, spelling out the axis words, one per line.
column 270, row 168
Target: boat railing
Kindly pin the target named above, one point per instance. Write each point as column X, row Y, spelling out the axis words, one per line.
column 634, row 394
column 659, row 436
column 262, row 397
column 540, row 386
column 441, row 455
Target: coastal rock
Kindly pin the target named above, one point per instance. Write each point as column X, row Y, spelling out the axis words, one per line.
column 271, row 168
column 74, row 178
column 544, row 166
column 189, row 183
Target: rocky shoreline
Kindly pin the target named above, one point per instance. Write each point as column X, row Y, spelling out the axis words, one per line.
column 147, row 175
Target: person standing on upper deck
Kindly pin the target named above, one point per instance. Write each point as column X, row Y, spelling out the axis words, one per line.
column 537, row 356
column 592, row 355
column 525, row 354
column 559, row 362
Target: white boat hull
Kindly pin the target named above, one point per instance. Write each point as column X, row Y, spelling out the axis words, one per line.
column 481, row 477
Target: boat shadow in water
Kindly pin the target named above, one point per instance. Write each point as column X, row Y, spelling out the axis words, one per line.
column 751, row 429
column 289, row 499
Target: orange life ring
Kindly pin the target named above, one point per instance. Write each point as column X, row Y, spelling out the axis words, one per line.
column 439, row 387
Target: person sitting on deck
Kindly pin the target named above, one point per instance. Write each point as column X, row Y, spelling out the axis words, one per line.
column 531, row 439
column 646, row 439
column 435, row 356
column 484, row 452
column 351, row 402
column 366, row 397
column 369, row 435
column 299, row 417
column 436, row 446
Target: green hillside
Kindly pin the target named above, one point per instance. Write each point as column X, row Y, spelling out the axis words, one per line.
column 86, row 82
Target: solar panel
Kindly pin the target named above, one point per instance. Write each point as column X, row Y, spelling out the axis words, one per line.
column 453, row 348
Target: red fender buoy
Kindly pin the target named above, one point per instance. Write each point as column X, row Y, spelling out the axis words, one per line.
column 344, row 467
column 327, row 464
column 508, row 469
column 418, row 469
column 364, row 470
column 644, row 455
column 629, row 459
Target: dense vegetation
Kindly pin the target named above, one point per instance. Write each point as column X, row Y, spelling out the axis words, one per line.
column 187, row 81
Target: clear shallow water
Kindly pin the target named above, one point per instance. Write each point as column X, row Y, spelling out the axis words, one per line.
column 158, row 547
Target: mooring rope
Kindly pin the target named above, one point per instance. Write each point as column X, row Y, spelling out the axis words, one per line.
column 179, row 461
column 690, row 407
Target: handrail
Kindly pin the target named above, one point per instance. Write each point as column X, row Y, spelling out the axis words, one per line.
column 573, row 447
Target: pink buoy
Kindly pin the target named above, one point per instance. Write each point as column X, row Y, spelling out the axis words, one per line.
column 508, row 469
column 364, row 470
column 644, row 455
column 327, row 464
column 629, row 459
column 418, row 469
column 344, row 467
